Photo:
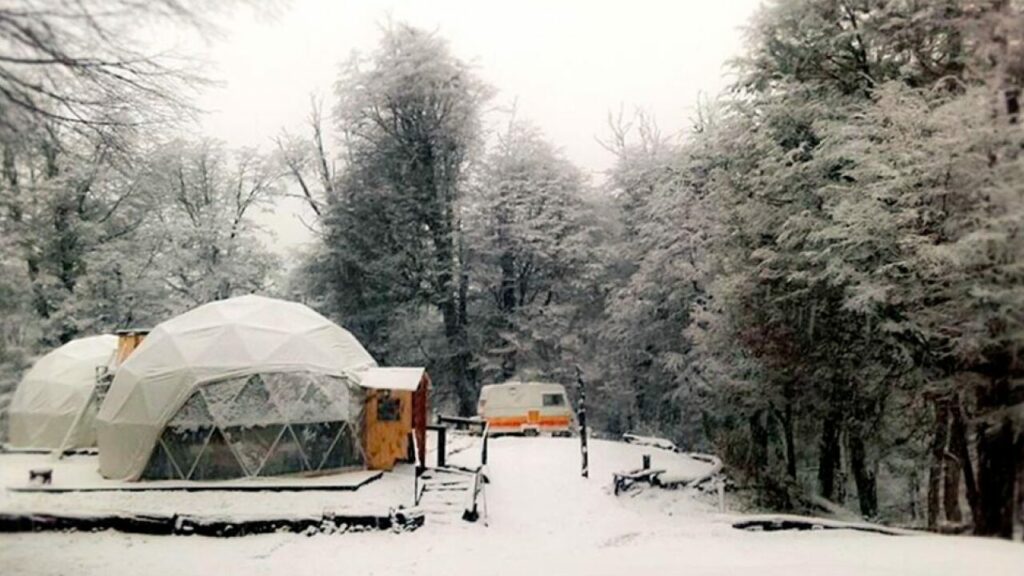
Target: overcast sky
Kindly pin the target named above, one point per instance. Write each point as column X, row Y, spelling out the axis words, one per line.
column 566, row 64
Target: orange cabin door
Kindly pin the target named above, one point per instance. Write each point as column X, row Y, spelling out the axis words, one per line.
column 388, row 423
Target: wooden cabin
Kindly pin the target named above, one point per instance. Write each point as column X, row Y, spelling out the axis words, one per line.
column 396, row 407
column 127, row 342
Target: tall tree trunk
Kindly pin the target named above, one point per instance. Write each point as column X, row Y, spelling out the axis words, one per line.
column 507, row 304
column 997, row 470
column 828, row 456
column 1020, row 482
column 450, row 284
column 863, row 473
column 938, row 457
column 959, row 446
column 465, row 357
column 951, row 490
column 758, row 443
column 787, row 430
column 460, row 361
column 996, row 479
column 913, row 493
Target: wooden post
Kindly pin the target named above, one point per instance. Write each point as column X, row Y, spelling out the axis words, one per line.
column 483, row 453
column 582, row 415
column 647, row 462
column 442, row 452
column 417, row 468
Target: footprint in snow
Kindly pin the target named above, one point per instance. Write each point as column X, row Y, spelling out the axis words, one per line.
column 620, row 540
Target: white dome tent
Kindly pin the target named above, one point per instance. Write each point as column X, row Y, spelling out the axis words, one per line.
column 55, row 399
column 249, row 386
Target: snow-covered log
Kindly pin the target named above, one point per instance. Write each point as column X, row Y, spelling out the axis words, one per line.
column 653, row 441
column 676, row 480
column 773, row 523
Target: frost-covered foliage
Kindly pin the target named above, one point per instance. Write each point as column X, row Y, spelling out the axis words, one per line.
column 409, row 119
column 82, row 67
column 101, row 244
column 210, row 248
column 106, row 220
column 478, row 261
column 532, row 259
column 821, row 281
column 93, row 234
column 829, row 277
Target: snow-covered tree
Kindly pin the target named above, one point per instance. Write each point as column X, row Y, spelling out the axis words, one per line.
column 409, row 115
column 529, row 236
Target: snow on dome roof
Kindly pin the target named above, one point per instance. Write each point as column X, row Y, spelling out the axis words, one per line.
column 54, row 391
column 224, row 339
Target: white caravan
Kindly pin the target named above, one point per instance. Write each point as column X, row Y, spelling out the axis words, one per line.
column 526, row 408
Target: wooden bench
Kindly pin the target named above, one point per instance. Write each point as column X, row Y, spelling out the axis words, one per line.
column 462, row 422
column 623, row 480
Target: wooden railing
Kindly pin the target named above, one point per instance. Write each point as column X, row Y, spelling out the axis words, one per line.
column 472, row 513
column 477, row 474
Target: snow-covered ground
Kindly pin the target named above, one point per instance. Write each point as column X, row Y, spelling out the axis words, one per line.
column 541, row 518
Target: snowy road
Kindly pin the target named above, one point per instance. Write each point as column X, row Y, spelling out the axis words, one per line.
column 543, row 518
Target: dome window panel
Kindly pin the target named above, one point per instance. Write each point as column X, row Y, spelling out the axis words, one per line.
column 217, row 460
column 345, row 453
column 314, row 406
column 286, row 390
column 316, row 440
column 252, row 444
column 193, row 413
column 220, row 396
column 160, row 466
column 251, row 405
column 285, row 458
column 185, row 444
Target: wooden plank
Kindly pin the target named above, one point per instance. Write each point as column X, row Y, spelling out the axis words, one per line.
column 638, row 474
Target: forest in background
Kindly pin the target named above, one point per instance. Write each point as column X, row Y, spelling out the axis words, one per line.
column 821, row 280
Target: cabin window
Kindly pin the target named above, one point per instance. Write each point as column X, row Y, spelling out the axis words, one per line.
column 389, row 409
column 553, row 400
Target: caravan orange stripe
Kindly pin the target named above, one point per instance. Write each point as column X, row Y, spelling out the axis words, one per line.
column 517, row 421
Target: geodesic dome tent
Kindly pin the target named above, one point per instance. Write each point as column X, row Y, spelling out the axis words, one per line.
column 57, row 394
column 248, row 386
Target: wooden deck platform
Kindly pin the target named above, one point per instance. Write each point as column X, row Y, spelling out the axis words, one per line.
column 219, row 526
column 348, row 481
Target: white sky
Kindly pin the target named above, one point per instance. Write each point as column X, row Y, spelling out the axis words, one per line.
column 566, row 64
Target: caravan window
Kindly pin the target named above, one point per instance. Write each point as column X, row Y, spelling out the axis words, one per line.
column 553, row 400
